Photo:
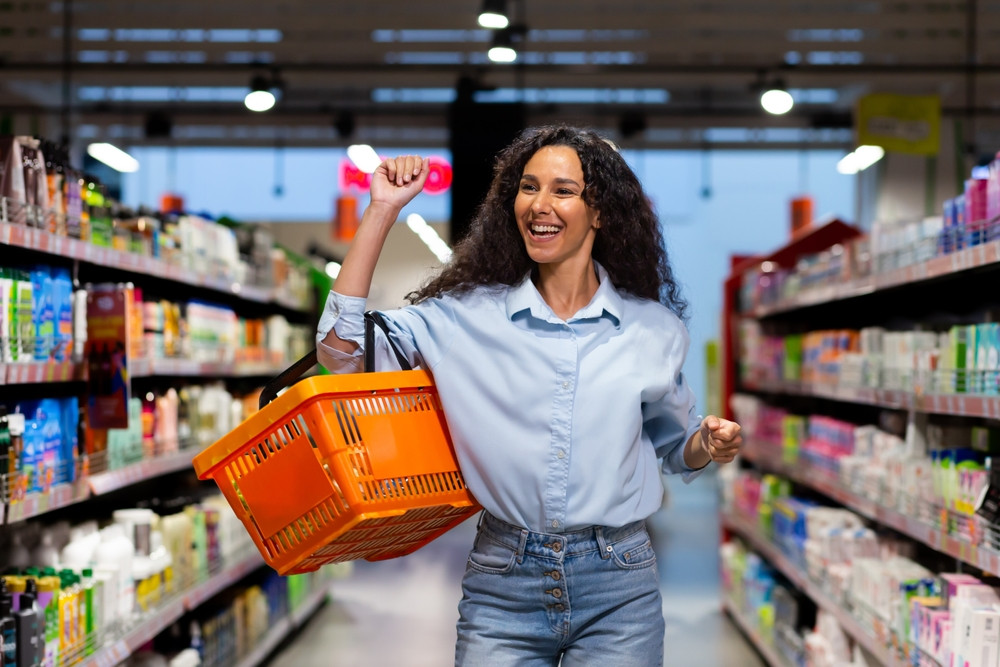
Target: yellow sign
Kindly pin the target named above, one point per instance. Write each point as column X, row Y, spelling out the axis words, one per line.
column 901, row 123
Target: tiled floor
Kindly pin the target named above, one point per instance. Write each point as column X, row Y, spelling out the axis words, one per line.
column 403, row 612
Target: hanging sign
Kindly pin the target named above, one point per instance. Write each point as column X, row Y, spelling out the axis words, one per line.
column 901, row 123
column 438, row 180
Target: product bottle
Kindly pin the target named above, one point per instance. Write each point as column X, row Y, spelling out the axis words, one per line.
column 27, row 627
column 8, row 629
column 15, row 425
column 88, row 606
column 48, row 610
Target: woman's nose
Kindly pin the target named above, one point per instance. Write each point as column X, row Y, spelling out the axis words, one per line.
column 540, row 203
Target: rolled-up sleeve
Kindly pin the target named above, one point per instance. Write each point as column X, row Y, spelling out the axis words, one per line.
column 670, row 423
column 345, row 316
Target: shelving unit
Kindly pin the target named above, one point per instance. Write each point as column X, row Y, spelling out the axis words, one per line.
column 284, row 628
column 802, row 582
column 918, row 520
column 87, row 260
column 765, row 650
column 158, row 620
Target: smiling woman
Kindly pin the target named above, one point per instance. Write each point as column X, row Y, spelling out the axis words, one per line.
column 556, row 341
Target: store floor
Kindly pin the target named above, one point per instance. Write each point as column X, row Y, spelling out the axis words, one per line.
column 403, row 612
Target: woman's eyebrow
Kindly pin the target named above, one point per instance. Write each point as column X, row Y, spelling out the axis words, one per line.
column 569, row 181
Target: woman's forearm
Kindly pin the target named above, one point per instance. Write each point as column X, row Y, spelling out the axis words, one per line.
column 355, row 277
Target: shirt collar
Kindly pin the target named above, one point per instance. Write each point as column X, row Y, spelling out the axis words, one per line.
column 606, row 301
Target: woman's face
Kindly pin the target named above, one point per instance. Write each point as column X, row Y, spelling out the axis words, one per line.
column 555, row 222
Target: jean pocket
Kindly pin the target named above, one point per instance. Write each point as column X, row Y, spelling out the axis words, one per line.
column 633, row 552
column 490, row 556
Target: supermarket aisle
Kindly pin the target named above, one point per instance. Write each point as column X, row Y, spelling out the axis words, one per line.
column 403, row 612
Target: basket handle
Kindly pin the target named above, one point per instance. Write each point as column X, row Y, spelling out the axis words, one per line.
column 374, row 318
column 286, row 377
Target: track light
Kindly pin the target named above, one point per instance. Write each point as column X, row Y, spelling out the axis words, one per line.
column 860, row 159
column 502, row 50
column 494, row 15
column 261, row 97
column 113, row 156
column 776, row 100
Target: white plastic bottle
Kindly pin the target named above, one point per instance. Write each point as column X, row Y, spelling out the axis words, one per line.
column 114, row 555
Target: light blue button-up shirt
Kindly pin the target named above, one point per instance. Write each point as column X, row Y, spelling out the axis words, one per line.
column 557, row 425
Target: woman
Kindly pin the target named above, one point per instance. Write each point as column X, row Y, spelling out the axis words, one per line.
column 556, row 342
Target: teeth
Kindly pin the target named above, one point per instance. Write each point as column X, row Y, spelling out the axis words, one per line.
column 544, row 228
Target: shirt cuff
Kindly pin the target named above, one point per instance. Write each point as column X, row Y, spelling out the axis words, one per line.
column 336, row 361
column 677, row 463
column 345, row 315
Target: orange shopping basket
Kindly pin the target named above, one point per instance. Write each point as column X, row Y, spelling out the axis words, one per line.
column 341, row 467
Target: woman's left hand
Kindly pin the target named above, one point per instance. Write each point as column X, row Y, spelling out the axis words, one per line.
column 720, row 438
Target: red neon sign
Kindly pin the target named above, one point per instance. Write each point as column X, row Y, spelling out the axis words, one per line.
column 438, row 180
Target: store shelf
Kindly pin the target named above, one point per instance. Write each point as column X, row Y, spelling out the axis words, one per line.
column 285, row 627
column 62, row 495
column 170, row 612
column 191, row 368
column 958, row 405
column 33, row 504
column 38, row 372
column 819, row 480
column 801, row 581
column 39, row 240
column 765, row 650
column 112, row 480
column 938, row 267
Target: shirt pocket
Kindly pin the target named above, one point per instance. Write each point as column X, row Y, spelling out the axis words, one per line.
column 633, row 552
column 491, row 557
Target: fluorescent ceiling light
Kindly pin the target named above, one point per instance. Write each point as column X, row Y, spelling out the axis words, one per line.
column 113, row 156
column 364, row 157
column 333, row 269
column 860, row 159
column 435, row 243
column 777, row 101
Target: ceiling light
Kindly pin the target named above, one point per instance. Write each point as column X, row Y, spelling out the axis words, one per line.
column 113, row 156
column 364, row 157
column 260, row 97
column 860, row 159
column 494, row 14
column 502, row 50
column 435, row 243
column 777, row 100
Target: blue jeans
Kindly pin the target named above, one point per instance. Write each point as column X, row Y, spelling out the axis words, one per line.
column 586, row 597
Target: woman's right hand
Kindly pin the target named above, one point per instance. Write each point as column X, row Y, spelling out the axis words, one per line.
column 398, row 180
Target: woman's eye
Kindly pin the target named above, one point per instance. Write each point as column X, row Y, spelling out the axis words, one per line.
column 527, row 187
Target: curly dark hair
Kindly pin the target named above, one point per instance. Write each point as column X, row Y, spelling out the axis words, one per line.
column 629, row 244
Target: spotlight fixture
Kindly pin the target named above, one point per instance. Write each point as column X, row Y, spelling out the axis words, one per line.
column 494, row 15
column 113, row 156
column 776, row 100
column 261, row 97
column 502, row 50
column 860, row 159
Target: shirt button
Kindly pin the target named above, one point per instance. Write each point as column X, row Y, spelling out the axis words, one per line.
column 561, row 454
column 555, row 524
column 565, row 385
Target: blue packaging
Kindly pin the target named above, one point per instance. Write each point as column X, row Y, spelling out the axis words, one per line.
column 70, row 420
column 43, row 325
column 62, row 306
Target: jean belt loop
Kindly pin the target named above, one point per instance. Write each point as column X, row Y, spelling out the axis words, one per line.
column 602, row 544
column 479, row 524
column 521, row 546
